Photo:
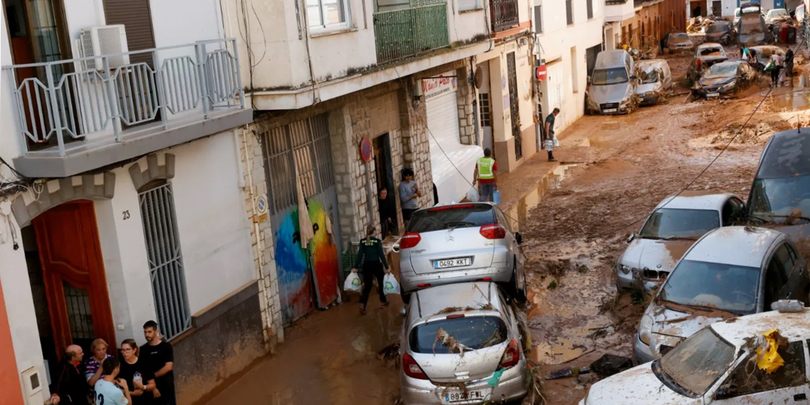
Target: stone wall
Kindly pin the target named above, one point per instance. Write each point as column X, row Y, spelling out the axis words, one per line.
column 466, row 97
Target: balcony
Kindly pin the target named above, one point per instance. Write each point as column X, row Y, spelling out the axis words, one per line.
column 408, row 32
column 82, row 114
column 504, row 14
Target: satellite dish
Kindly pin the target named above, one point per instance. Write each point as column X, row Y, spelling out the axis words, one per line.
column 479, row 77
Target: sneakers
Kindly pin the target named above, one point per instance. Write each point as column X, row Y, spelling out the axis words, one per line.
column 362, row 309
column 385, row 304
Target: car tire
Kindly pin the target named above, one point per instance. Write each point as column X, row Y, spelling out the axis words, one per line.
column 517, row 289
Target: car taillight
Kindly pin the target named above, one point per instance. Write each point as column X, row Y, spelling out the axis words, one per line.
column 451, row 207
column 412, row 369
column 511, row 356
column 409, row 240
column 493, row 231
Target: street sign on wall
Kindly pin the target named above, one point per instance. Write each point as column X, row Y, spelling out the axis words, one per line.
column 540, row 73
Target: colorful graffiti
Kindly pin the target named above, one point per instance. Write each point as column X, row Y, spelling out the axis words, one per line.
column 324, row 254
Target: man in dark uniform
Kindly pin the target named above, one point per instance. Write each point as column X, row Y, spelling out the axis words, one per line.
column 371, row 249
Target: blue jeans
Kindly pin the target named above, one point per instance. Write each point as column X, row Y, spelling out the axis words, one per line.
column 485, row 190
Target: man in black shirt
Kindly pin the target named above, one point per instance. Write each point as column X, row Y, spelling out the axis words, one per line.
column 549, row 143
column 159, row 357
column 70, row 387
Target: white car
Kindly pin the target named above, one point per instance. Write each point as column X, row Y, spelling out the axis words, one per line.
column 718, row 365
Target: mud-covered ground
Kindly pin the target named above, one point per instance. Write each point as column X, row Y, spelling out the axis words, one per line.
column 619, row 168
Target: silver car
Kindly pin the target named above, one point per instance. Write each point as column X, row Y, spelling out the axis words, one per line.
column 459, row 243
column 729, row 272
column 462, row 344
column 612, row 85
column 656, row 81
column 675, row 224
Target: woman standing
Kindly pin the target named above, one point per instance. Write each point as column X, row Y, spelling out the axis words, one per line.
column 140, row 381
column 408, row 195
column 92, row 367
column 371, row 249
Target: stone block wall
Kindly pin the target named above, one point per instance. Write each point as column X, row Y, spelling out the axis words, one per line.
column 466, row 97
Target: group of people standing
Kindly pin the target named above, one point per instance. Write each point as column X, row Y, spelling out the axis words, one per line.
column 138, row 375
column 776, row 64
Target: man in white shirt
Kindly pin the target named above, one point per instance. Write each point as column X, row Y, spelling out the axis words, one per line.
column 110, row 391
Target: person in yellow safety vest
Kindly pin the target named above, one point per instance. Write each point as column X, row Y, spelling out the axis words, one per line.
column 485, row 177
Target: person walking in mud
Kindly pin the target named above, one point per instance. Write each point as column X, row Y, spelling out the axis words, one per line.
column 549, row 141
column 484, row 176
column 371, row 248
column 777, row 64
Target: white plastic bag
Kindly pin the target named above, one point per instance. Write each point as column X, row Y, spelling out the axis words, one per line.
column 391, row 284
column 472, row 195
column 352, row 283
column 555, row 142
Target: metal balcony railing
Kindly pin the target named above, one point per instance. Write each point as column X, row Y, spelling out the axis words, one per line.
column 91, row 97
column 408, row 32
column 504, row 14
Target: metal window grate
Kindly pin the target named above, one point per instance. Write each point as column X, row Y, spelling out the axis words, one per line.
column 165, row 260
column 483, row 101
column 80, row 318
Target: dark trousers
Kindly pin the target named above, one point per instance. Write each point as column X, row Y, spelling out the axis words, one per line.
column 775, row 75
column 370, row 272
column 550, row 155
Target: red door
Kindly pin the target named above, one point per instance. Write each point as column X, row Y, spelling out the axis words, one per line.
column 73, row 273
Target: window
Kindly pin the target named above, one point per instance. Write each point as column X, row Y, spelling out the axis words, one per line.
column 569, row 11
column 589, row 6
column 733, row 212
column 474, row 332
column 165, row 259
column 784, row 257
column 574, row 70
column 483, row 102
column 775, row 280
column 466, row 5
column 538, row 19
column 327, row 13
column 696, row 363
column 747, row 378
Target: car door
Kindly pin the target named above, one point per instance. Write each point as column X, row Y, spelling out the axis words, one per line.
column 774, row 287
column 747, row 384
column 788, row 259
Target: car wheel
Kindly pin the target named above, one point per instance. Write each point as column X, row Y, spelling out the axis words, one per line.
column 406, row 297
column 518, row 285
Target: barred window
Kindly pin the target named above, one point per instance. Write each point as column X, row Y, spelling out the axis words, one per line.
column 483, row 101
column 165, row 259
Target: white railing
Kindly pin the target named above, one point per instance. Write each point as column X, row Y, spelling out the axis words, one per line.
column 69, row 100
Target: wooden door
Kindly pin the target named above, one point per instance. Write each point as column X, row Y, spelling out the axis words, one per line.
column 73, row 274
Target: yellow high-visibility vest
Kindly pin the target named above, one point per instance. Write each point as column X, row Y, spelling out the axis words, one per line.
column 485, row 165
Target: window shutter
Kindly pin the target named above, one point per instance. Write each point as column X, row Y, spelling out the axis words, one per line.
column 467, row 5
column 136, row 17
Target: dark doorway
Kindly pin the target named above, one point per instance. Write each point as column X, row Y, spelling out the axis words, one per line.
column 590, row 57
column 384, row 172
column 717, row 8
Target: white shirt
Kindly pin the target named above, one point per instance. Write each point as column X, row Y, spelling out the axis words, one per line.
column 108, row 393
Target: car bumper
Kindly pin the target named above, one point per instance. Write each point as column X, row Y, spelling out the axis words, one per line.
column 410, row 280
column 714, row 93
column 512, row 386
column 642, row 351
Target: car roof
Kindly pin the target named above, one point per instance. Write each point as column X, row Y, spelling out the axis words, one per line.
column 709, row 45
column 460, row 296
column 651, row 62
column 735, row 245
column 696, row 200
column 787, row 155
column 793, row 326
column 613, row 57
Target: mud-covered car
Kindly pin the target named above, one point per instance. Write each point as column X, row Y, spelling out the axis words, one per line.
column 718, row 366
column 655, row 81
column 762, row 55
column 731, row 271
column 721, row 32
column 725, row 79
column 678, row 42
column 675, row 224
column 751, row 27
column 706, row 55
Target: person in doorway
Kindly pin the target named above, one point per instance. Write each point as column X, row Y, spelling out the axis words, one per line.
column 484, row 175
column 92, row 367
column 111, row 390
column 134, row 370
column 159, row 357
column 549, row 141
column 408, row 195
column 70, row 387
column 388, row 213
column 371, row 249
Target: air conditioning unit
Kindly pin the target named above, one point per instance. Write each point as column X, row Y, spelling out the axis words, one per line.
column 103, row 40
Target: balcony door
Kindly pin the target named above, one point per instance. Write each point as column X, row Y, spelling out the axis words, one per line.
column 136, row 17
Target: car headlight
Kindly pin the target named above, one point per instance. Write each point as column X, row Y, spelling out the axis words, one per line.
column 645, row 329
column 625, row 269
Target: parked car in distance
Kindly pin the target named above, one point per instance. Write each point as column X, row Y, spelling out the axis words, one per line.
column 762, row 54
column 673, row 226
column 726, row 79
column 462, row 335
column 656, row 81
column 678, row 42
column 706, row 55
column 721, row 32
column 458, row 243
column 612, row 86
column 751, row 27
column 780, row 194
column 718, row 365
column 729, row 272
column 777, row 16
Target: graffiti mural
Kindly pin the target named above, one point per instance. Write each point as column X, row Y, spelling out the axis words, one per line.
column 294, row 280
column 324, row 255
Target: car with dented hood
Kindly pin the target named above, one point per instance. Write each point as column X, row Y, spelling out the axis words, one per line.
column 463, row 344
column 729, row 272
column 706, row 55
column 673, row 226
column 718, row 365
column 655, row 81
column 725, row 79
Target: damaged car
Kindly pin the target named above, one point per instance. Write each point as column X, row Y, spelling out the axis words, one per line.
column 729, row 272
column 462, row 344
column 762, row 55
column 656, row 81
column 751, row 27
column 720, row 365
column 678, row 42
column 612, row 86
column 721, row 32
column 675, row 224
column 706, row 55
column 726, row 79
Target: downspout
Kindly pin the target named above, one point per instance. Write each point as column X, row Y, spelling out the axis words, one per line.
column 475, row 102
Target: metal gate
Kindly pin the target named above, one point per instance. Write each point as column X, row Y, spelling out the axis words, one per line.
column 300, row 153
column 514, row 110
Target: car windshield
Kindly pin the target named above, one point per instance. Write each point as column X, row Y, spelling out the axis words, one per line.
column 682, row 35
column 722, row 71
column 603, row 77
column 696, row 363
column 717, row 28
column 649, row 75
column 672, row 223
column 471, row 332
column 713, row 285
column 779, row 199
column 777, row 13
column 714, row 51
column 451, row 217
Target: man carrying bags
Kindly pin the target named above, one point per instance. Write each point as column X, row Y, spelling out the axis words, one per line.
column 484, row 176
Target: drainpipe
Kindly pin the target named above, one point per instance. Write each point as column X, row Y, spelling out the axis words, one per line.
column 475, row 101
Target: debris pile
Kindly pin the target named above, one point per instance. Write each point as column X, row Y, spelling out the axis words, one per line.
column 698, row 25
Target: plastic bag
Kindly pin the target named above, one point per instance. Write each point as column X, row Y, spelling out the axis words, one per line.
column 768, row 357
column 496, row 197
column 472, row 195
column 352, row 283
column 555, row 142
column 391, row 286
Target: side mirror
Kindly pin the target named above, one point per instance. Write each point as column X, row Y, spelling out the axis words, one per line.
column 519, row 238
column 395, row 248
column 631, row 237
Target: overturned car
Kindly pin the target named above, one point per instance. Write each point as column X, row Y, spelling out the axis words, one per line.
column 725, row 79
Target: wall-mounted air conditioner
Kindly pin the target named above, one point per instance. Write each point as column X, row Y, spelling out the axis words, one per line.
column 32, row 384
column 102, row 40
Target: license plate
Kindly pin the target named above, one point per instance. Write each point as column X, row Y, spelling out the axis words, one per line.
column 607, row 110
column 448, row 263
column 460, row 396
column 712, row 95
